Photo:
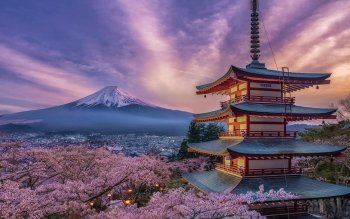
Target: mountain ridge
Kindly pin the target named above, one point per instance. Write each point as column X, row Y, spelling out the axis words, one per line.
column 109, row 109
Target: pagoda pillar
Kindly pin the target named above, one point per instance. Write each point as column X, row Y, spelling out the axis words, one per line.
column 248, row 90
column 339, row 207
column 289, row 164
column 322, row 207
column 246, row 170
column 333, row 205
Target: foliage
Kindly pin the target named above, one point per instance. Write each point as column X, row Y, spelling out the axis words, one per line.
column 344, row 108
column 183, row 151
column 181, row 203
column 331, row 169
column 329, row 132
column 65, row 181
column 78, row 182
column 198, row 132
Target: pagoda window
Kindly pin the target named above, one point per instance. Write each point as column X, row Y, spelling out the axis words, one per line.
column 238, row 90
column 266, row 124
column 269, row 164
column 227, row 160
column 239, row 161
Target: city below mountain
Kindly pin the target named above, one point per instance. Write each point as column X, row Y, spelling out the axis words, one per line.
column 109, row 110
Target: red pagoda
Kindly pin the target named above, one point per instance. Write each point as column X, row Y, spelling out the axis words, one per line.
column 257, row 149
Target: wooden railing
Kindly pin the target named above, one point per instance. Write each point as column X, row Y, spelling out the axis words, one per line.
column 264, row 99
column 270, row 134
column 239, row 170
column 259, row 134
column 274, row 171
column 232, row 134
column 235, row 169
column 283, row 210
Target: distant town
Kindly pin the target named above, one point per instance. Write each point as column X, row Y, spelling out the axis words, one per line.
column 128, row 144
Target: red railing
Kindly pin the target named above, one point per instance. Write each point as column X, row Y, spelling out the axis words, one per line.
column 274, row 171
column 259, row 134
column 239, row 170
column 264, row 99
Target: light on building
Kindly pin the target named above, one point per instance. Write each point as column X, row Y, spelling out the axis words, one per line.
column 127, row 201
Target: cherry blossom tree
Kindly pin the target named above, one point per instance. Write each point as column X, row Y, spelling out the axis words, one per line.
column 80, row 182
column 181, row 203
column 70, row 180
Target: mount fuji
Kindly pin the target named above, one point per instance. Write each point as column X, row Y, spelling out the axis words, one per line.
column 109, row 97
column 109, row 110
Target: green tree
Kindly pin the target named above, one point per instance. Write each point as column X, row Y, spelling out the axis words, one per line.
column 183, row 152
column 198, row 132
column 211, row 132
column 194, row 134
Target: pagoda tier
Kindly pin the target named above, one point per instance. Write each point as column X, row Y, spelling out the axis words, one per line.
column 220, row 115
column 288, row 111
column 292, row 81
column 264, row 148
column 303, row 187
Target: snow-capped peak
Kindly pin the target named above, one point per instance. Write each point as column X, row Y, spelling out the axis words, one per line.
column 110, row 96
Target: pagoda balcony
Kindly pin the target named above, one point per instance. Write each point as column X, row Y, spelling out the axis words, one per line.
column 241, row 171
column 264, row 99
column 259, row 134
column 233, row 169
column 283, row 210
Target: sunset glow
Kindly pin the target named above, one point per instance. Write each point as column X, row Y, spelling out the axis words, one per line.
column 54, row 52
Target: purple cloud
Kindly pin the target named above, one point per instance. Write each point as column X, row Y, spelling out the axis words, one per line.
column 53, row 52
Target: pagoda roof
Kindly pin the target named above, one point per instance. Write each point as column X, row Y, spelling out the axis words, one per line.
column 264, row 147
column 296, row 80
column 212, row 181
column 301, row 186
column 213, row 115
column 291, row 76
column 215, row 147
column 279, row 109
column 268, row 147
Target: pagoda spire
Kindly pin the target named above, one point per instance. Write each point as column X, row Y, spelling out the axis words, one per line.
column 254, row 36
column 254, row 26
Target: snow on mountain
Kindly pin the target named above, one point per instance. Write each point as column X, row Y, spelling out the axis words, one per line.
column 110, row 96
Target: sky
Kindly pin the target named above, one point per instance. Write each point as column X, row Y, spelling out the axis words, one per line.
column 54, row 52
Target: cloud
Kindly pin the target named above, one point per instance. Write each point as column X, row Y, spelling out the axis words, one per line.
column 160, row 50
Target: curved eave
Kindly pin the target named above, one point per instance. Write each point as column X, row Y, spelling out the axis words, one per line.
column 215, row 147
column 273, row 74
column 221, row 84
column 233, row 152
column 206, row 152
column 216, row 115
column 304, row 188
column 212, row 181
column 271, row 147
column 281, row 110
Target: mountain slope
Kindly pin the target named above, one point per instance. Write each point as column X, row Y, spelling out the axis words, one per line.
column 111, row 97
column 107, row 110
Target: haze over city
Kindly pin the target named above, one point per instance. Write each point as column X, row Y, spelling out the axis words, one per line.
column 54, row 52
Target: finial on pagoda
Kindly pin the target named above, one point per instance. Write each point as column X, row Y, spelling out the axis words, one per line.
column 254, row 37
column 254, row 27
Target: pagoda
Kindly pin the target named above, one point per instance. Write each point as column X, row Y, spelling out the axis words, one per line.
column 257, row 148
